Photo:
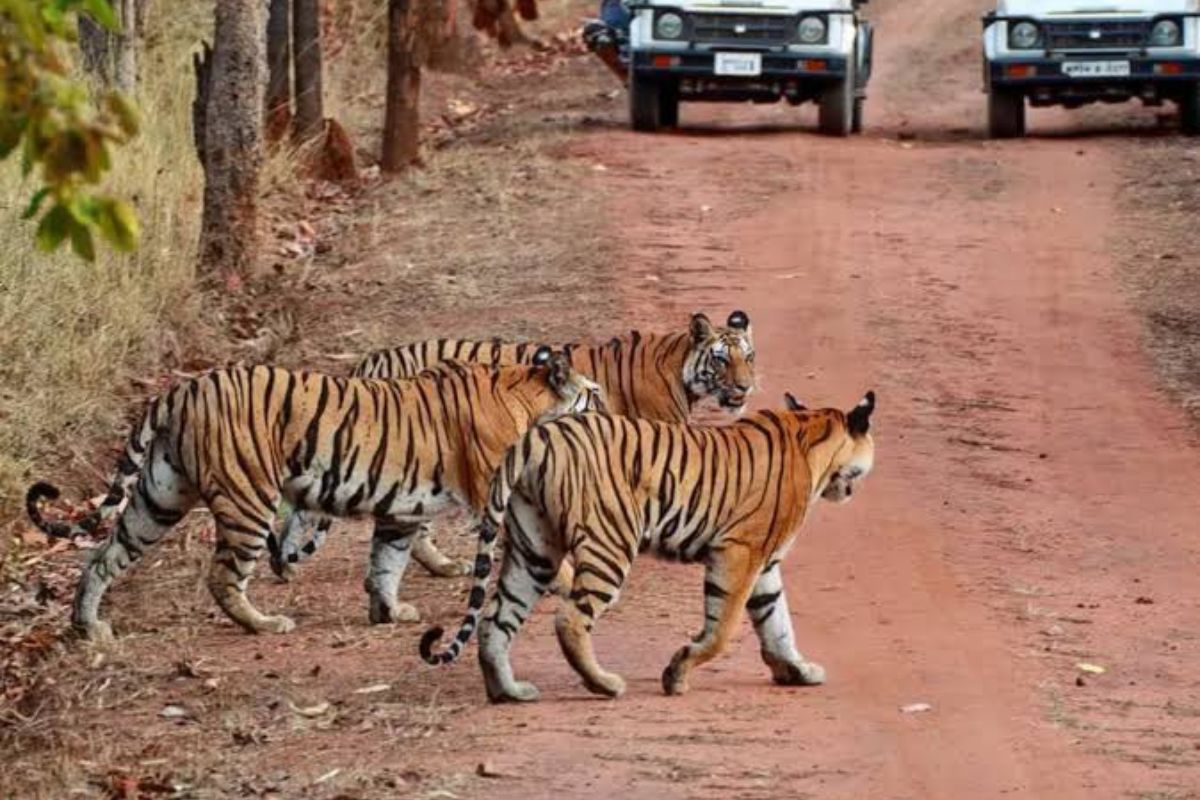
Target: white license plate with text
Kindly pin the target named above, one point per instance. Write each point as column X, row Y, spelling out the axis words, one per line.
column 738, row 64
column 1095, row 69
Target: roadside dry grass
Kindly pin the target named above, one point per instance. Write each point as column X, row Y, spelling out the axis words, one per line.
column 71, row 334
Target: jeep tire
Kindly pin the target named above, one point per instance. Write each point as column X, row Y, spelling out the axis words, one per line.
column 1189, row 110
column 856, row 121
column 668, row 105
column 645, row 103
column 1006, row 113
column 836, row 115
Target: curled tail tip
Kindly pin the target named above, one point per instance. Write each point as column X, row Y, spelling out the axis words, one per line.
column 35, row 494
column 41, row 491
column 427, row 641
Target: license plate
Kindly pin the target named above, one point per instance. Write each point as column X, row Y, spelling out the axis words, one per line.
column 738, row 64
column 1095, row 69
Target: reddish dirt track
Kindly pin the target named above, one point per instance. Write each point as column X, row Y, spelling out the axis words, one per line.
column 1031, row 483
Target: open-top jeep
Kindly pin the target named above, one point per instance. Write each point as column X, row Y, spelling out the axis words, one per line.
column 1072, row 52
column 738, row 50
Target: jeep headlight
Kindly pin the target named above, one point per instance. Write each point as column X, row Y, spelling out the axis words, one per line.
column 1165, row 33
column 1024, row 35
column 811, row 30
column 668, row 26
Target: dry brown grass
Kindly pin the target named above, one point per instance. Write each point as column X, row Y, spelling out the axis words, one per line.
column 70, row 332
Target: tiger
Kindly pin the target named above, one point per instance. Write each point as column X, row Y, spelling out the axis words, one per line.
column 650, row 376
column 242, row 439
column 599, row 489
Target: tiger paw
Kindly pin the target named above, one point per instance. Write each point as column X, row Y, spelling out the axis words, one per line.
column 277, row 624
column 381, row 612
column 283, row 570
column 674, row 677
column 516, row 692
column 606, row 684
column 804, row 673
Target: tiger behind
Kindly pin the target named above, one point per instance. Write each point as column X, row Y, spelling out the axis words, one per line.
column 244, row 438
column 599, row 489
column 649, row 376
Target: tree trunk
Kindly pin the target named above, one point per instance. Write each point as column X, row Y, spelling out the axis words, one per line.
column 126, row 45
column 279, row 61
column 401, row 127
column 233, row 139
column 95, row 42
column 306, row 45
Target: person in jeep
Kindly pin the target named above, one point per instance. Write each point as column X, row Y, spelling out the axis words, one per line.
column 605, row 35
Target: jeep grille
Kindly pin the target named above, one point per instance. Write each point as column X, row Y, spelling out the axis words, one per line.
column 750, row 29
column 1096, row 35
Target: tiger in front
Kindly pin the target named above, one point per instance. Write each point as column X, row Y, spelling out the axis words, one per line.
column 599, row 489
column 245, row 438
column 648, row 376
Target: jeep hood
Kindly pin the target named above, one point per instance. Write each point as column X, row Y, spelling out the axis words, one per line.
column 1128, row 8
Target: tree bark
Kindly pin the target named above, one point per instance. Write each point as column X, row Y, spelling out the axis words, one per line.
column 279, row 61
column 401, row 127
column 96, row 46
column 306, row 44
column 233, row 139
column 126, row 45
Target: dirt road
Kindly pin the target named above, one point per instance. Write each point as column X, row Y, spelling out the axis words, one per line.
column 1034, row 504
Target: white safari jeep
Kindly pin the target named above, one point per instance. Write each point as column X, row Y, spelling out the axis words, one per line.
column 738, row 50
column 1072, row 52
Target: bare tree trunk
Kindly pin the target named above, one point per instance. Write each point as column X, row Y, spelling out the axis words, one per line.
column 233, row 138
column 279, row 61
column 402, row 120
column 96, row 44
column 306, row 45
column 126, row 45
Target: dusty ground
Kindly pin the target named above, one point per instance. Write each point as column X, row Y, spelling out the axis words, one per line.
column 1034, row 505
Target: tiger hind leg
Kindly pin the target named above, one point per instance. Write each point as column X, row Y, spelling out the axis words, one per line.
column 434, row 561
column 530, row 564
column 241, row 538
column 594, row 591
column 284, row 550
column 158, row 501
column 391, row 546
column 727, row 585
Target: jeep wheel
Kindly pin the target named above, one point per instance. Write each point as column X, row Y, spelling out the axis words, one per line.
column 1006, row 113
column 645, row 103
column 836, row 116
column 668, row 105
column 1189, row 111
column 856, row 121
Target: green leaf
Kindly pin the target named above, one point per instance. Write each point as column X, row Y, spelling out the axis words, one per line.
column 35, row 203
column 81, row 242
column 125, row 112
column 119, row 225
column 53, row 228
column 102, row 12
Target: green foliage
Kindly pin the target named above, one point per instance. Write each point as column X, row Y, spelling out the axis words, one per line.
column 51, row 119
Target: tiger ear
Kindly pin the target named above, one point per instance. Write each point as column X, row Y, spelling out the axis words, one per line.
column 858, row 421
column 701, row 328
column 559, row 373
column 541, row 356
column 792, row 403
column 739, row 321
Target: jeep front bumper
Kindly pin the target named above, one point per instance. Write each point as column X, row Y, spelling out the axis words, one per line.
column 1046, row 71
column 696, row 64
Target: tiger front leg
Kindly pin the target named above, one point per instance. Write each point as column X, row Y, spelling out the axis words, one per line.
column 434, row 561
column 768, row 609
column 241, row 539
column 728, row 581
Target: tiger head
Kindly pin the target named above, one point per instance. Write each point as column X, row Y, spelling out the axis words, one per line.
column 721, row 361
column 854, row 457
column 575, row 392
